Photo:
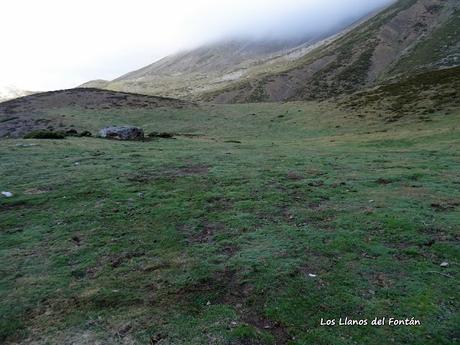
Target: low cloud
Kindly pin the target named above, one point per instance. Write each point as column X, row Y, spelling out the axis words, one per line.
column 51, row 44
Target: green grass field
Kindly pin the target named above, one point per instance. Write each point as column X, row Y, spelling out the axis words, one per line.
column 248, row 228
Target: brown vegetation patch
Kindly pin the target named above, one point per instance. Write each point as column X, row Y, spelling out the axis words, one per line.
column 168, row 173
column 18, row 205
column 219, row 203
column 445, row 206
column 190, row 170
column 383, row 181
column 36, row 191
column 294, row 176
column 206, row 232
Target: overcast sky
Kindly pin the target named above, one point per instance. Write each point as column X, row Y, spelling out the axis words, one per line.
column 53, row 44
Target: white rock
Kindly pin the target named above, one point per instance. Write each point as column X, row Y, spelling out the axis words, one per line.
column 444, row 264
column 7, row 194
column 312, row 275
column 25, row 145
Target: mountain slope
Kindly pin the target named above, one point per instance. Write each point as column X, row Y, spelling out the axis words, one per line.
column 409, row 36
column 11, row 92
column 406, row 38
column 214, row 66
column 184, row 73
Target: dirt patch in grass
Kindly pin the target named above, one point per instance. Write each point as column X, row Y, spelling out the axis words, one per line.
column 204, row 233
column 438, row 234
column 143, row 177
column 36, row 191
column 292, row 175
column 219, row 203
column 13, row 206
column 383, row 181
column 113, row 261
column 191, row 170
column 117, row 260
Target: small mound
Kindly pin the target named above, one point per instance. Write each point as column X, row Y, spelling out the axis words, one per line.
column 87, row 98
column 38, row 111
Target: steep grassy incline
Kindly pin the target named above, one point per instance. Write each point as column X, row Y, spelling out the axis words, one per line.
column 410, row 35
column 417, row 95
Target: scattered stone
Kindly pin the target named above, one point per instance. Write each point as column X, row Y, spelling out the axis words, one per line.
column 311, row 275
column 122, row 133
column 26, row 145
column 444, row 264
column 7, row 194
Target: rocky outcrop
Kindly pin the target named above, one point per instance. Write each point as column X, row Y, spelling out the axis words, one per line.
column 122, row 133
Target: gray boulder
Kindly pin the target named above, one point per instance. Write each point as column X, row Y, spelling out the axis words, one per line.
column 122, row 133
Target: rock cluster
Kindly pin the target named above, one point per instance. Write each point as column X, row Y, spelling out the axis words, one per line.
column 122, row 133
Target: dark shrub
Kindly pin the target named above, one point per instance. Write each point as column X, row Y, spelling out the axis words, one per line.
column 164, row 135
column 71, row 132
column 44, row 134
column 86, row 134
column 153, row 135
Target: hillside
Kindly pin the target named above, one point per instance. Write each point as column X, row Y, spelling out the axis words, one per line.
column 417, row 95
column 22, row 115
column 409, row 37
column 213, row 66
column 192, row 72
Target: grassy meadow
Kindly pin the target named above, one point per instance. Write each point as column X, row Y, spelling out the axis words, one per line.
column 250, row 226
